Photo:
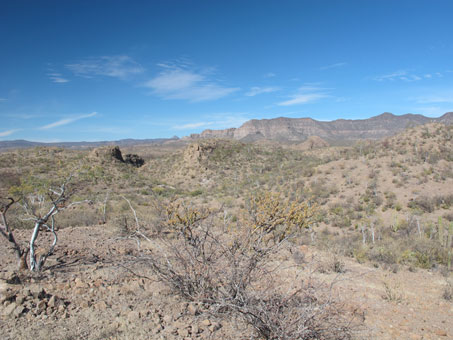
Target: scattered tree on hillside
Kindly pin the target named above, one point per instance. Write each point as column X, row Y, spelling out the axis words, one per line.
column 41, row 203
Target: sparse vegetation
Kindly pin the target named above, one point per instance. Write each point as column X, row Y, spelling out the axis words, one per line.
column 228, row 225
column 220, row 271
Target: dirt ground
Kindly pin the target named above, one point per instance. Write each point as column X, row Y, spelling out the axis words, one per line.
column 93, row 288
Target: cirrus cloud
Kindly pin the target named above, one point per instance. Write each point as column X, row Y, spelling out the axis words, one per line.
column 8, row 132
column 120, row 66
column 336, row 65
column 66, row 121
column 406, row 76
column 260, row 90
column 186, row 84
column 304, row 95
column 217, row 121
column 57, row 78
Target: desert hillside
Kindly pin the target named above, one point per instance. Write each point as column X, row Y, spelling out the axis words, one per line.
column 232, row 239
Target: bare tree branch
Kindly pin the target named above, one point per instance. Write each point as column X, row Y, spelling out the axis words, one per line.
column 8, row 234
column 137, row 224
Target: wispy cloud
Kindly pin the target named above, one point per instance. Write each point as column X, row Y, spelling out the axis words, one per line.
column 260, row 90
column 406, row 76
column 2, row 100
column 8, row 132
column 192, row 125
column 121, row 67
column 216, row 121
column 304, row 95
column 176, row 82
column 269, row 75
column 391, row 76
column 336, row 65
column 57, row 78
column 66, row 121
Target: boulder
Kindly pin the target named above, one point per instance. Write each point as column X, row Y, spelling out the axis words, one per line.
column 134, row 160
column 115, row 154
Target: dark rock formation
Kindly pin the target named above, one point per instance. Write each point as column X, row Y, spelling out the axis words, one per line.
column 115, row 153
column 134, row 160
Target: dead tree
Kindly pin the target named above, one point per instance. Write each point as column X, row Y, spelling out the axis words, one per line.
column 58, row 201
column 5, row 230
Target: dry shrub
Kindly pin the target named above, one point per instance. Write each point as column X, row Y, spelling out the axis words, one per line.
column 304, row 314
column 234, row 275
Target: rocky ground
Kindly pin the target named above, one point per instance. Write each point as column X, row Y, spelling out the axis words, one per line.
column 93, row 288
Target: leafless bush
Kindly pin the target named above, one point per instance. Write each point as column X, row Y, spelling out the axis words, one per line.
column 300, row 315
column 234, row 274
column 40, row 207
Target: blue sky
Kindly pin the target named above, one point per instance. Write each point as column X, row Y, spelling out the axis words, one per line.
column 107, row 70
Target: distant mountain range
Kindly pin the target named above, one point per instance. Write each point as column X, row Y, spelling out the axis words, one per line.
column 337, row 131
column 15, row 144
column 278, row 129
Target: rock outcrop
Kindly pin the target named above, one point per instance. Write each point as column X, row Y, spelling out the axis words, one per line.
column 115, row 154
column 337, row 131
column 134, row 160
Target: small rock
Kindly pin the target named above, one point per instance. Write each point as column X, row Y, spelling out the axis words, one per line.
column 9, row 309
column 41, row 306
column 195, row 329
column 205, row 323
column 3, row 286
column 183, row 332
column 12, row 278
column 18, row 311
column 85, row 304
column 192, row 309
column 79, row 284
column 20, row 299
column 53, row 302
column 61, row 308
column 440, row 332
column 215, row 326
column 37, row 292
column 7, row 296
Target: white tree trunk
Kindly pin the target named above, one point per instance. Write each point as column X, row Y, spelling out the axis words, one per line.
column 34, row 236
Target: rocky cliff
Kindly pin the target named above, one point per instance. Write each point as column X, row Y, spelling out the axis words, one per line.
column 340, row 130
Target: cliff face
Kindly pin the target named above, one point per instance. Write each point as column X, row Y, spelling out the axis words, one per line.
column 299, row 129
